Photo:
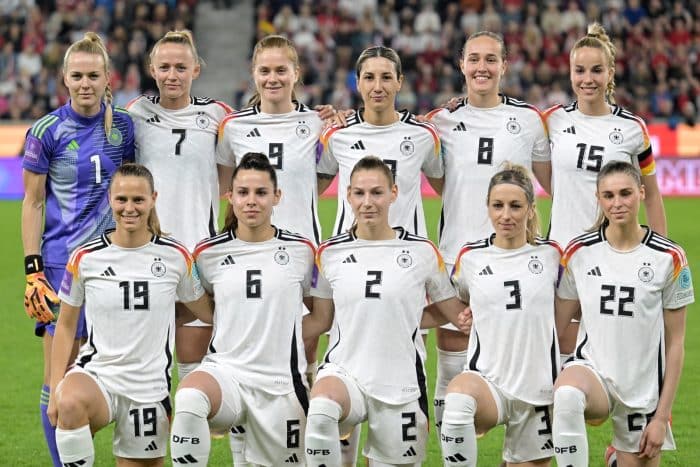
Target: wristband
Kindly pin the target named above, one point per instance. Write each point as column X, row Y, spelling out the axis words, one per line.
column 33, row 264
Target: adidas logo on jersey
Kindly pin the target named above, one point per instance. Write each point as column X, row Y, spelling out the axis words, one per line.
column 487, row 271
column 410, row 453
column 594, row 272
column 548, row 445
column 571, row 130
column 152, row 446
column 228, row 261
column 293, row 459
column 154, row 119
column 460, row 127
column 358, row 145
column 254, row 133
column 72, row 146
column 350, row 259
column 109, row 272
column 456, row 458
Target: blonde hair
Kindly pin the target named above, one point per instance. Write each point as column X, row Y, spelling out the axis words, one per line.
column 181, row 36
column 519, row 176
column 611, row 168
column 92, row 43
column 273, row 42
column 597, row 38
column 137, row 170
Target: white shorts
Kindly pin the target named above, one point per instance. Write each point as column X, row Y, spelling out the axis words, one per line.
column 397, row 434
column 628, row 423
column 141, row 429
column 528, row 428
column 274, row 424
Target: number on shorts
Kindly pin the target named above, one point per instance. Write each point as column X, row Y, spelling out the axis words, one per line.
column 410, row 424
column 149, row 417
column 293, row 434
column 545, row 419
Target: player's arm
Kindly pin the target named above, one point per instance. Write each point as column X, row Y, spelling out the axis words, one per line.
column 656, row 215
column 543, row 173
column 202, row 308
column 323, row 181
column 225, row 175
column 674, row 334
column 451, row 310
column 38, row 291
column 565, row 311
column 320, row 318
column 61, row 350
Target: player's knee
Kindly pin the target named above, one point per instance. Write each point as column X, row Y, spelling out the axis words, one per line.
column 568, row 399
column 71, row 405
column 193, row 401
column 323, row 416
column 460, row 409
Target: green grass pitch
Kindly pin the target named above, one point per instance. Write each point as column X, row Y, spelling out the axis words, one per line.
column 22, row 441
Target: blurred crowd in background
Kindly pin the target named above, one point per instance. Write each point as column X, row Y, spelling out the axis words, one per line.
column 657, row 63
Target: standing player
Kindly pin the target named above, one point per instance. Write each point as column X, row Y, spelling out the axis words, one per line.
column 176, row 140
column 484, row 131
column 287, row 131
column 253, row 375
column 631, row 286
column 406, row 145
column 371, row 286
column 69, row 158
column 128, row 279
column 509, row 279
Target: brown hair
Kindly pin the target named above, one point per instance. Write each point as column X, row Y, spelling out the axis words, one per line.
column 92, row 44
column 274, row 42
column 611, row 168
column 519, row 176
column 373, row 163
column 137, row 170
column 379, row 51
column 497, row 37
column 597, row 38
column 250, row 161
column 181, row 36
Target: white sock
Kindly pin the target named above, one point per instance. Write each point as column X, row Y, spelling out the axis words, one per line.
column 190, row 440
column 236, row 439
column 349, row 446
column 184, row 369
column 458, row 434
column 569, row 427
column 449, row 365
column 322, row 433
column 75, row 446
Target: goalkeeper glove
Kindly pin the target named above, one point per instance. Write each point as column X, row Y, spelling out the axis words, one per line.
column 38, row 294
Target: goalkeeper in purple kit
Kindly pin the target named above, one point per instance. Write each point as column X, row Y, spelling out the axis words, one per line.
column 69, row 158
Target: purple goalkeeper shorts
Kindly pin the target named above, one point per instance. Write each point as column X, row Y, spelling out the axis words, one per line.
column 55, row 275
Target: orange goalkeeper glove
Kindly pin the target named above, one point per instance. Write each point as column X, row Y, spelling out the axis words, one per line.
column 38, row 294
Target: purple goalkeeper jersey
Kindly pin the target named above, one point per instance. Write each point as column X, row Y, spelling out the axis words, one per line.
column 79, row 160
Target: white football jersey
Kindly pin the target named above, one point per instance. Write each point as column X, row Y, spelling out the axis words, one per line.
column 378, row 290
column 511, row 294
column 291, row 142
column 407, row 146
column 623, row 295
column 581, row 146
column 258, row 291
column 179, row 148
column 129, row 296
column 476, row 143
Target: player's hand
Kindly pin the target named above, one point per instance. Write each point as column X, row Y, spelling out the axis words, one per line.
column 331, row 116
column 652, row 438
column 465, row 321
column 453, row 104
column 38, row 295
